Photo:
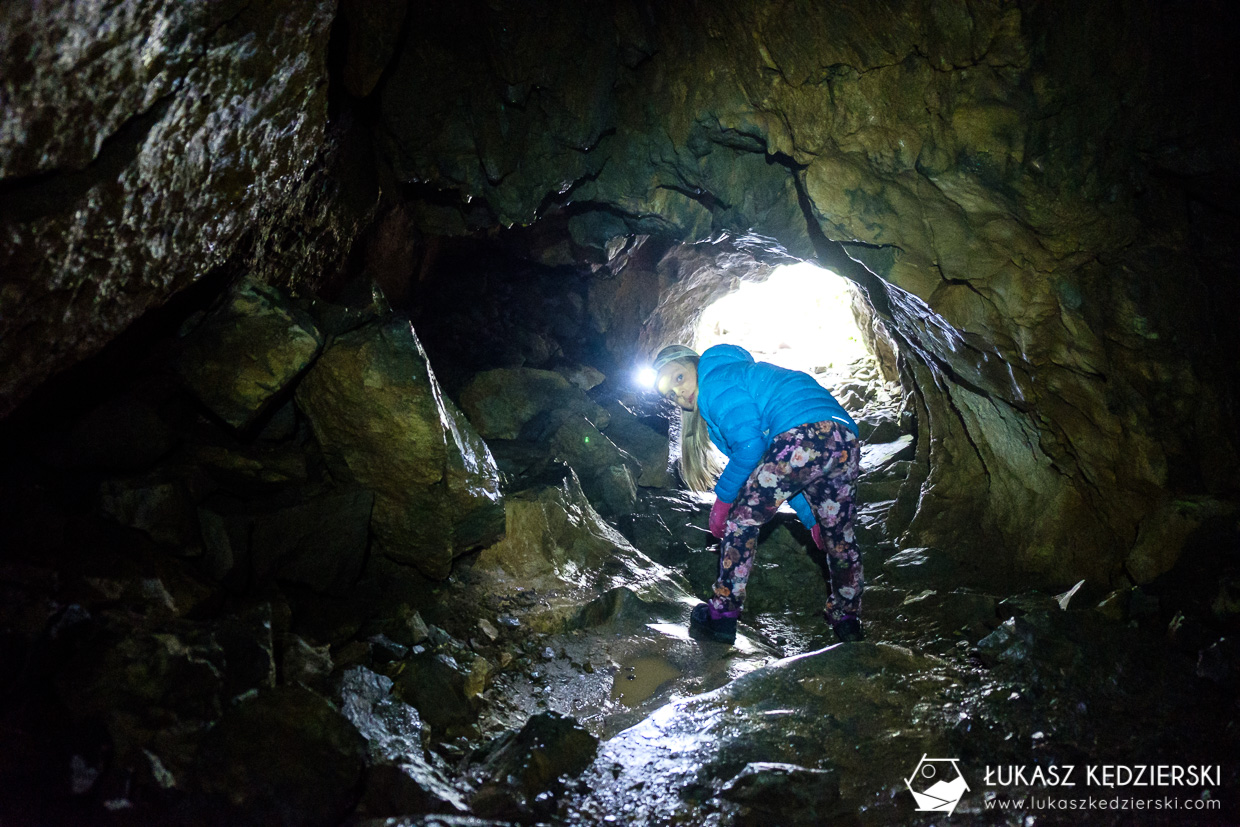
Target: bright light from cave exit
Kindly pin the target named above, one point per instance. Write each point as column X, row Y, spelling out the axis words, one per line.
column 799, row 318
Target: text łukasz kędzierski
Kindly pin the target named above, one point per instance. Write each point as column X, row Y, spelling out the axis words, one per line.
column 1104, row 775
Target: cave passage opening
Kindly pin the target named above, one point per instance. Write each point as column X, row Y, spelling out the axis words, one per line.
column 800, row 317
column 793, row 313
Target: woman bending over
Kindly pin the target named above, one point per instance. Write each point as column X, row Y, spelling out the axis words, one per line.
column 786, row 438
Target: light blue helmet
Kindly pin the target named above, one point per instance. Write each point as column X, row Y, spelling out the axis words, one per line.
column 672, row 353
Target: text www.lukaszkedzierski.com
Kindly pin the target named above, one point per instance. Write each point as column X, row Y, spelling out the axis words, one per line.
column 1035, row 802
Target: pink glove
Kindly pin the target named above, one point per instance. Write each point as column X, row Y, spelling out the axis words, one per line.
column 816, row 533
column 719, row 517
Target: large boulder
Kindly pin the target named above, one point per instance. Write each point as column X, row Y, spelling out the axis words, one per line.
column 401, row 779
column 501, row 402
column 846, row 706
column 557, row 545
column 443, row 690
column 789, row 576
column 142, row 147
column 1165, row 533
column 607, row 474
column 378, row 412
column 643, row 443
column 521, row 766
column 248, row 350
column 285, row 756
column 319, row 543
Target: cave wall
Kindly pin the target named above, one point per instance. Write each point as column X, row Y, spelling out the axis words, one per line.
column 1027, row 185
column 143, row 146
column 1042, row 200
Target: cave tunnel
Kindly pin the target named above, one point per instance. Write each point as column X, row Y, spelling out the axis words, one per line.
column 329, row 495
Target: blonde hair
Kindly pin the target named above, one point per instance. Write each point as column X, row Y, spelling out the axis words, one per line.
column 701, row 463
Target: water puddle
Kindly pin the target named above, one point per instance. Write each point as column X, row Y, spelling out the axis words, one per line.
column 641, row 678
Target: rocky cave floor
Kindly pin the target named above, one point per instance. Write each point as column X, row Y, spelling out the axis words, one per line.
column 147, row 680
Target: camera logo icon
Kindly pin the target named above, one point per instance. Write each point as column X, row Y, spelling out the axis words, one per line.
column 937, row 784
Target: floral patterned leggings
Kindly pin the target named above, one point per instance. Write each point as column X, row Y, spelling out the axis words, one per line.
column 821, row 460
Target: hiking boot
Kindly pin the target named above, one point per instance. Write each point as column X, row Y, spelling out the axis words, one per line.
column 848, row 630
column 706, row 625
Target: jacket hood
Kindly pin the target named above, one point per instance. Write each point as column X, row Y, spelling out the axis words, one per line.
column 724, row 355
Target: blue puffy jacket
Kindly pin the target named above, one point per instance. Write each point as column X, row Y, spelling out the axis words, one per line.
column 747, row 403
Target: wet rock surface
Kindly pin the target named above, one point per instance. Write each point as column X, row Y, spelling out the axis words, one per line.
column 557, row 544
column 260, row 564
column 401, row 778
column 824, row 705
column 136, row 164
column 503, row 402
column 643, row 443
column 244, row 354
column 521, row 771
column 550, row 678
column 384, row 424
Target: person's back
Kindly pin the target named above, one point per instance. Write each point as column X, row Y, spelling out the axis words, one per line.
column 784, row 398
column 786, row 438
